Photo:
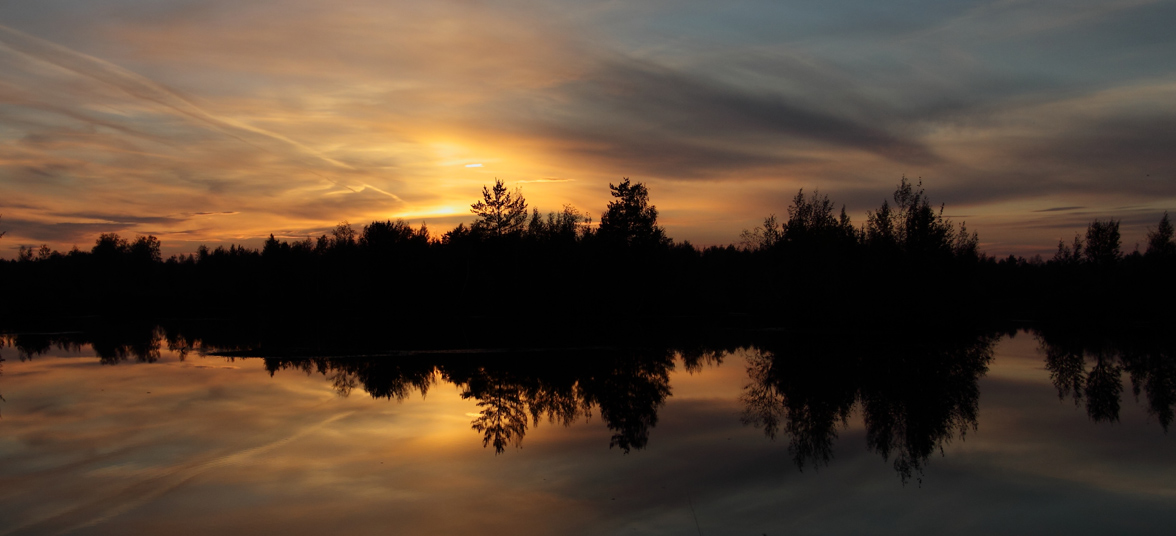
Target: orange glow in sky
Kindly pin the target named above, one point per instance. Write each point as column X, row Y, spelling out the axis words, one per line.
column 219, row 123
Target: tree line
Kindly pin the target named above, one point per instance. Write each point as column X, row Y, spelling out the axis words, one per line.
column 515, row 266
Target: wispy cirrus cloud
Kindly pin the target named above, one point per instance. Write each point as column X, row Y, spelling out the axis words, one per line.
column 298, row 115
column 689, row 112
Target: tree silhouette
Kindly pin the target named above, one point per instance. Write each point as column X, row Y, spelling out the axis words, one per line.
column 879, row 230
column 566, row 225
column 144, row 249
column 1102, row 243
column 763, row 237
column 812, row 218
column 915, row 227
column 1159, row 241
column 1069, row 255
column 109, row 245
column 500, row 212
column 385, row 235
column 629, row 218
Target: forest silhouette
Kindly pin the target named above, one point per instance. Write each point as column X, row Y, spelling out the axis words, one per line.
column 511, row 270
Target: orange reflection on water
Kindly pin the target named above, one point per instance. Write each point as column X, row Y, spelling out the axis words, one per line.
column 208, row 444
column 91, row 445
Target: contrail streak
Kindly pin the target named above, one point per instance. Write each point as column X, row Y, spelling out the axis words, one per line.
column 148, row 90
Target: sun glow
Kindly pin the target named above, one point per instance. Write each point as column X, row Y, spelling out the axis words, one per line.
column 434, row 212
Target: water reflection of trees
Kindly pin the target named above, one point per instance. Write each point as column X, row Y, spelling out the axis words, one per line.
column 513, row 390
column 3, row 342
column 915, row 393
column 517, row 391
column 1087, row 365
column 140, row 343
column 117, row 342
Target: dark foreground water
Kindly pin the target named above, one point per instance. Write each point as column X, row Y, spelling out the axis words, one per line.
column 1007, row 435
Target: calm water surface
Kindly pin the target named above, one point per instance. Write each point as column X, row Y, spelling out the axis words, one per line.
column 722, row 443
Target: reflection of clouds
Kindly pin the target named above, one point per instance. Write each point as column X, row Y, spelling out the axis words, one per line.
column 227, row 448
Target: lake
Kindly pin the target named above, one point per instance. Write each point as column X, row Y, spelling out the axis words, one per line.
column 1011, row 432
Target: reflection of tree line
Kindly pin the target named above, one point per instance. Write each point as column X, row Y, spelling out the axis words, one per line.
column 132, row 342
column 914, row 394
column 1089, row 364
column 139, row 341
column 626, row 387
column 915, row 391
column 3, row 342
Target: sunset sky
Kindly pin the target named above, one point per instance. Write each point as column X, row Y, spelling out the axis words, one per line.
column 221, row 122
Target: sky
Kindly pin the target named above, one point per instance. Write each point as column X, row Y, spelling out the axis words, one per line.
column 217, row 122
